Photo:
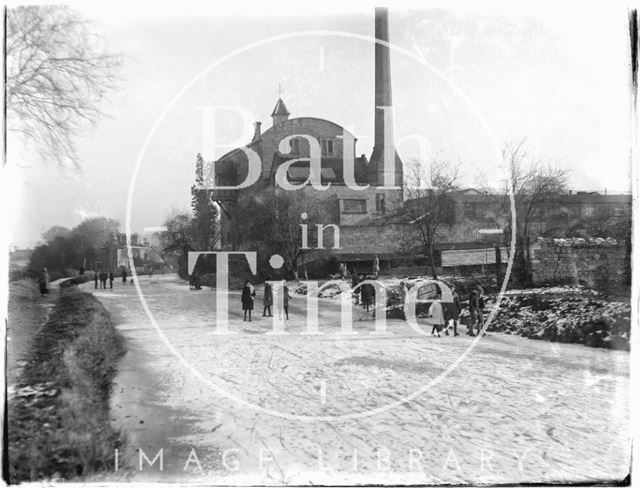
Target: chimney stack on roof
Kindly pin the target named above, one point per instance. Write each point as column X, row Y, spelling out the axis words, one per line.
column 257, row 132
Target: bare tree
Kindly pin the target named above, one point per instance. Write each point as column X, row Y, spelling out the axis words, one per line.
column 178, row 239
column 429, row 205
column 58, row 74
column 535, row 185
column 270, row 222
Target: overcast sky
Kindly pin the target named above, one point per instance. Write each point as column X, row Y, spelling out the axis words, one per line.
column 465, row 79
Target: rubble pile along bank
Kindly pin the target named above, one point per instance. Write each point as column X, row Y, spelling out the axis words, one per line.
column 579, row 319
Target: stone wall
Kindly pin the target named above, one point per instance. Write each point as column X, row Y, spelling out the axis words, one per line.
column 601, row 263
column 372, row 238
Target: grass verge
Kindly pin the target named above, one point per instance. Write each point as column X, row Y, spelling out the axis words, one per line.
column 59, row 423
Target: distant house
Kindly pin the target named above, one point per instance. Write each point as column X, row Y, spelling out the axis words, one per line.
column 477, row 221
column 19, row 258
column 145, row 255
column 558, row 216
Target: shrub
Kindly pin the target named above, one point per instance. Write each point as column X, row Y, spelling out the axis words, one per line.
column 208, row 279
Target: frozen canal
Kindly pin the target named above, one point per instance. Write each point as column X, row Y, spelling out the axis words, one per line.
column 256, row 408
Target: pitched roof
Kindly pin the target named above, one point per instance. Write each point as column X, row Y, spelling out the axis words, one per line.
column 594, row 197
column 280, row 108
column 467, row 191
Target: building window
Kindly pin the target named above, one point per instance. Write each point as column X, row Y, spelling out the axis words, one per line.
column 354, row 206
column 380, row 203
column 557, row 212
column 327, row 147
column 470, row 210
column 588, row 210
column 295, row 146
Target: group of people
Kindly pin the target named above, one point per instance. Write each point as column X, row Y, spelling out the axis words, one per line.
column 365, row 294
column 102, row 276
column 441, row 316
column 98, row 276
column 249, row 294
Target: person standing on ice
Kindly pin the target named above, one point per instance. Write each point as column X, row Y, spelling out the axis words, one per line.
column 474, row 308
column 436, row 317
column 103, row 279
column 480, row 309
column 285, row 299
column 248, row 292
column 355, row 279
column 456, row 308
column 268, row 300
column 44, row 282
column 366, row 295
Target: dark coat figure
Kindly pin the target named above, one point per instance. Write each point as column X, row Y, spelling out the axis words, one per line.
column 285, row 300
column 453, row 309
column 456, row 308
column 248, row 292
column 81, row 271
column 480, row 293
column 268, row 300
column 95, row 279
column 123, row 275
column 368, row 295
column 44, row 282
column 474, row 309
column 103, row 279
column 354, row 283
column 111, row 280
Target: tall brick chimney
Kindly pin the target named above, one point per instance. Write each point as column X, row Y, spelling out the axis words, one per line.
column 384, row 144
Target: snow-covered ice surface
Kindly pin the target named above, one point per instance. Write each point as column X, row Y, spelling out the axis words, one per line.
column 513, row 411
